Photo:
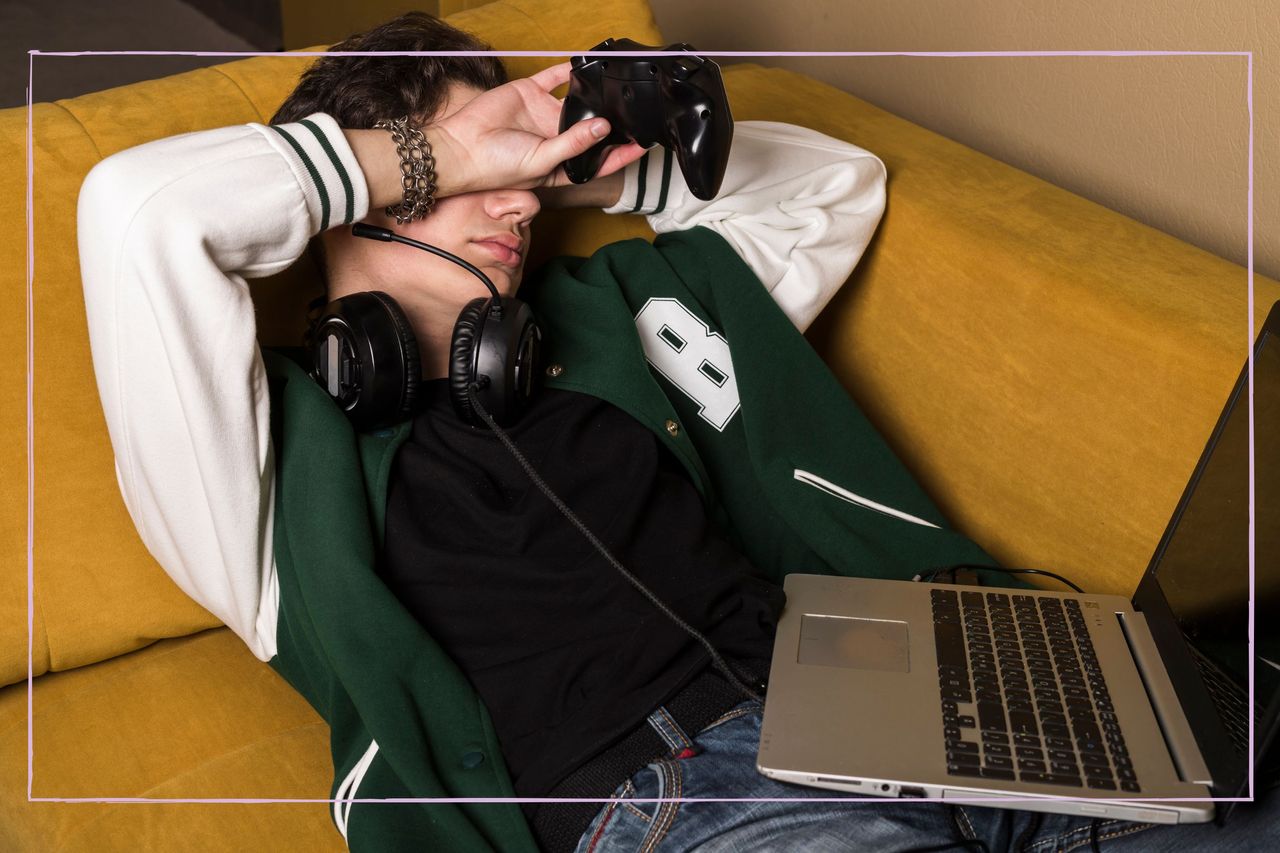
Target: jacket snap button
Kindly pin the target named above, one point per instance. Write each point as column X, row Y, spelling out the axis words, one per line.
column 673, row 428
column 472, row 760
column 555, row 370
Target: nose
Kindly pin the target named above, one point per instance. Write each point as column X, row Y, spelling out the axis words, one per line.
column 520, row 206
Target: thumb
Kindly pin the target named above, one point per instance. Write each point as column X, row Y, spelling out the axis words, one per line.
column 574, row 141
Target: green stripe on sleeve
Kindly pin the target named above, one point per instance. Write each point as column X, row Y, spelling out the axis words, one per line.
column 642, row 178
column 311, row 170
column 337, row 165
column 666, row 181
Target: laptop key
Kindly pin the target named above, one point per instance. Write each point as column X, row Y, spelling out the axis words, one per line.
column 964, row 770
column 1031, row 765
column 1103, row 784
column 1094, row 759
column 1051, row 779
column 991, row 716
column 1131, row 787
column 1023, row 722
column 1001, row 761
column 998, row 773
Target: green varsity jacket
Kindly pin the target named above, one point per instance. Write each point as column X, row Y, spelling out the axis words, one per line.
column 682, row 336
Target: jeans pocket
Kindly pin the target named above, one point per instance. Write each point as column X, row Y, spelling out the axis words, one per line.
column 666, row 779
column 634, row 821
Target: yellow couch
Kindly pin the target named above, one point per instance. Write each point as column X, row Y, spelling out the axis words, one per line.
column 1048, row 368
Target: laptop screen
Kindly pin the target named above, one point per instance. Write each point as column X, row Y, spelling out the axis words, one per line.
column 1203, row 569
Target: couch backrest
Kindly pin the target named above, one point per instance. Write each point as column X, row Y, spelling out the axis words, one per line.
column 1048, row 368
column 98, row 593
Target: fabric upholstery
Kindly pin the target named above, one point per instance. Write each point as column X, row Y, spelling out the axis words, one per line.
column 1048, row 368
column 189, row 718
column 97, row 591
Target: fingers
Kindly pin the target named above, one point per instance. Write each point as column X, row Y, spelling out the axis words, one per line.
column 620, row 157
column 574, row 141
column 549, row 78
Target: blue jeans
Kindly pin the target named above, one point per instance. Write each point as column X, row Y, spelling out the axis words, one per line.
column 724, row 766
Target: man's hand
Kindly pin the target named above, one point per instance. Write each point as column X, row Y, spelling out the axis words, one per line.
column 509, row 137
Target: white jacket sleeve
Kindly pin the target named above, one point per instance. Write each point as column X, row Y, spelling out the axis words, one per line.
column 169, row 232
column 799, row 208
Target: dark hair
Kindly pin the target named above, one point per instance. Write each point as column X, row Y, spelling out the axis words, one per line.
column 359, row 90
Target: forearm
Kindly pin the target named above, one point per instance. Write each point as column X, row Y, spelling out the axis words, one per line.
column 797, row 206
column 375, row 150
column 600, row 192
column 380, row 163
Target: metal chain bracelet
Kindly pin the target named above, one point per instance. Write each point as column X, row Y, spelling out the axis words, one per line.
column 417, row 170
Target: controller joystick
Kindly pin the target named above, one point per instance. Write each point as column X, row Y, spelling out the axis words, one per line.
column 676, row 101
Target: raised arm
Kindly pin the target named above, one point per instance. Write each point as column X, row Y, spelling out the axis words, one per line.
column 169, row 232
column 799, row 208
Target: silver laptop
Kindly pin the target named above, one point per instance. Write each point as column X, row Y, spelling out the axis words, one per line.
column 1132, row 709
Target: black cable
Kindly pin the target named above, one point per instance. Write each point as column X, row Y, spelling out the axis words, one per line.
column 931, row 575
column 1094, row 845
column 386, row 235
column 716, row 660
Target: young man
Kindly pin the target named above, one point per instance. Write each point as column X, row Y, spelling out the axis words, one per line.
column 460, row 637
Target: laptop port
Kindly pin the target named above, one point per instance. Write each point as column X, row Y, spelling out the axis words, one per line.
column 911, row 791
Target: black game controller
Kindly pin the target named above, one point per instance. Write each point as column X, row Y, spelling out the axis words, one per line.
column 676, row 101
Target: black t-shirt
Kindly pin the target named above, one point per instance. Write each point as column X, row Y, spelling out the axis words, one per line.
column 565, row 654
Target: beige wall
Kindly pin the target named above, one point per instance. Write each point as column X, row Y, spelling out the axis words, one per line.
column 1161, row 139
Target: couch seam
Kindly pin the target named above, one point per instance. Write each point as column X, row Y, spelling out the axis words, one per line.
column 274, row 736
column 241, row 90
column 61, row 104
column 136, row 664
column 35, row 600
column 535, row 21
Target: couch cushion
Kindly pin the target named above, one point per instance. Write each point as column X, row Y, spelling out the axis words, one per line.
column 191, row 718
column 1049, row 368
column 97, row 591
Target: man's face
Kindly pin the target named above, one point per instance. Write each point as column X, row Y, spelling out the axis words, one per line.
column 489, row 229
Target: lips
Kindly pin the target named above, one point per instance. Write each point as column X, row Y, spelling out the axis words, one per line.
column 505, row 248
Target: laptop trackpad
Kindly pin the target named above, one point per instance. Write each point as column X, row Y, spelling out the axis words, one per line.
column 854, row 643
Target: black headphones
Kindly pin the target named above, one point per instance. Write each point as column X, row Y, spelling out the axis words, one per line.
column 365, row 356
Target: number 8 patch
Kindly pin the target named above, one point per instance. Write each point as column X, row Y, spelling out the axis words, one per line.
column 692, row 357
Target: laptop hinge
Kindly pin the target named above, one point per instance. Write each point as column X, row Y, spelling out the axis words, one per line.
column 1164, row 700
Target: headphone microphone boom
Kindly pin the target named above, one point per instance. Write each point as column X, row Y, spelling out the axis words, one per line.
column 365, row 354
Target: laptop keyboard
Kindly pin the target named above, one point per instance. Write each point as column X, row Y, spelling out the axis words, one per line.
column 1023, row 697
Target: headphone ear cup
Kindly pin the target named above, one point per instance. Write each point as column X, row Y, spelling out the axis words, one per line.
column 365, row 356
column 408, row 346
column 467, row 333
